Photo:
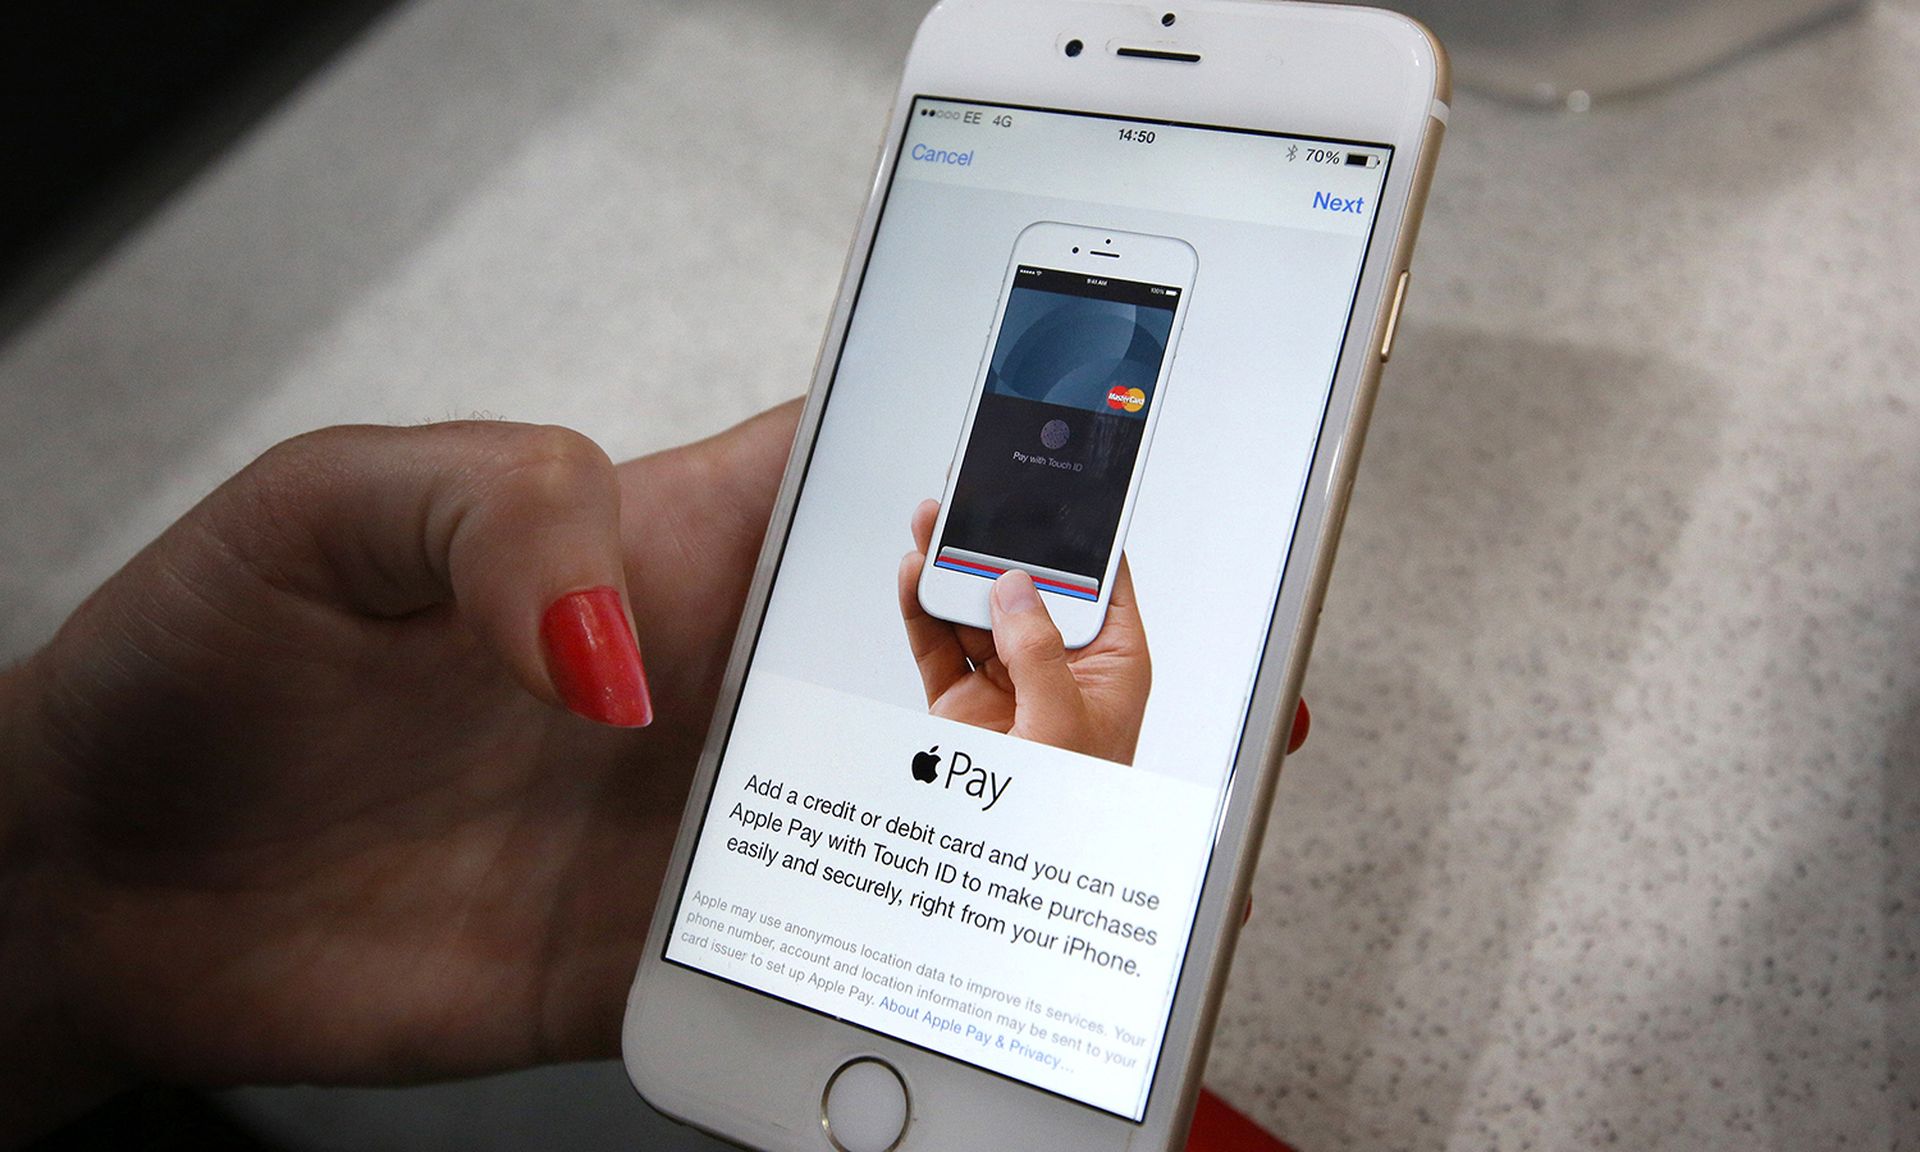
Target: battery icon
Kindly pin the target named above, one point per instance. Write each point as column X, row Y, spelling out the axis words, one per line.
column 1362, row 160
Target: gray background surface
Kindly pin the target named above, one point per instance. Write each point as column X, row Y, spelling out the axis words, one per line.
column 1609, row 830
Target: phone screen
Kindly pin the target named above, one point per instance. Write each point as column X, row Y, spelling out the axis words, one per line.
column 1044, row 475
column 909, row 829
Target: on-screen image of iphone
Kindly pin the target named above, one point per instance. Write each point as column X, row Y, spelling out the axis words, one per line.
column 1115, row 316
column 1056, row 436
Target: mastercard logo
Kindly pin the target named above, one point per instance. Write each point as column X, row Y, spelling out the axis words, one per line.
column 1126, row 399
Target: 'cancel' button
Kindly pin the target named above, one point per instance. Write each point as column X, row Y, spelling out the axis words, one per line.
column 928, row 155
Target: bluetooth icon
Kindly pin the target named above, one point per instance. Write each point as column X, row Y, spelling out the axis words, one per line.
column 1292, row 151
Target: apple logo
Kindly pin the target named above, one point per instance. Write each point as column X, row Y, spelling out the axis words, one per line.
column 924, row 764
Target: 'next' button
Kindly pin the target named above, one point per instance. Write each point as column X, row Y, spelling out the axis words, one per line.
column 1336, row 204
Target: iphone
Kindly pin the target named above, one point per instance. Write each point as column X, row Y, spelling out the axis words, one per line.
column 960, row 877
column 1059, row 423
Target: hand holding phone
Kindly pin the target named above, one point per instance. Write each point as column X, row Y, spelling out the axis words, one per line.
column 1018, row 676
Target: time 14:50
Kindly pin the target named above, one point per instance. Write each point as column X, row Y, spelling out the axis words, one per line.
column 1137, row 135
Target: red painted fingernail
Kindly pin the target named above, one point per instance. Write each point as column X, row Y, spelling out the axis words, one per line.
column 594, row 660
column 1302, row 720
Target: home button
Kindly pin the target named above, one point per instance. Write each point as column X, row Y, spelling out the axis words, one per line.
column 864, row 1108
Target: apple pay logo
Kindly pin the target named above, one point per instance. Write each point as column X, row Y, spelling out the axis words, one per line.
column 961, row 771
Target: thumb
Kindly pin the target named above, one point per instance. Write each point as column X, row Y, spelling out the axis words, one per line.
column 517, row 525
column 1048, row 706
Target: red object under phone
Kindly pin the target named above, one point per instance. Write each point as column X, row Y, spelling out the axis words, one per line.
column 1219, row 1127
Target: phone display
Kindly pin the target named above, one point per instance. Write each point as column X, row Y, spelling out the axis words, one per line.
column 1058, row 429
column 909, row 830
column 1060, row 424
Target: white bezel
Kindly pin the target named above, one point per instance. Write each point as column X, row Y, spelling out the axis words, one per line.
column 1162, row 260
column 751, row 1068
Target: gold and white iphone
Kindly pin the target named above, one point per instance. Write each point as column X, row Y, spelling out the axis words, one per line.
column 964, row 858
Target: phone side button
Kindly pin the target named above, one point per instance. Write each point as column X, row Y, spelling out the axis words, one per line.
column 864, row 1107
column 1393, row 318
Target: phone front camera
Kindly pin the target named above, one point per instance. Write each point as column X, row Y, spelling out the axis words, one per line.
column 1076, row 251
column 1074, row 47
column 1166, row 21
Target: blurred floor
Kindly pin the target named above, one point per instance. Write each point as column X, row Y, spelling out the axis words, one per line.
column 1610, row 826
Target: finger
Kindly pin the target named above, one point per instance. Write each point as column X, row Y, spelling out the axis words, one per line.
column 1302, row 720
column 977, row 643
column 695, row 519
column 1047, row 702
column 936, row 649
column 517, row 525
column 922, row 525
column 1123, row 629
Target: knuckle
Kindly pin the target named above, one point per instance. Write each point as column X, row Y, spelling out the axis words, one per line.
column 283, row 482
column 270, row 517
column 549, row 465
column 299, row 455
